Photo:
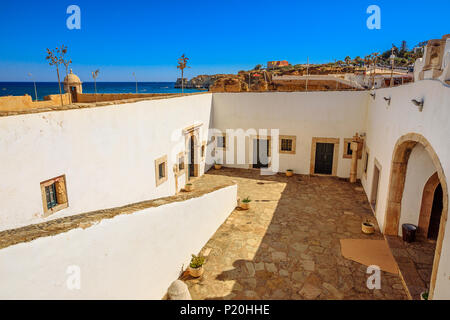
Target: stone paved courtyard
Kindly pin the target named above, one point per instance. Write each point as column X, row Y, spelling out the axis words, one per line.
column 287, row 245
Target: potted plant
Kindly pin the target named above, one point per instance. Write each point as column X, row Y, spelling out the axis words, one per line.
column 424, row 295
column 368, row 227
column 196, row 266
column 245, row 203
column 289, row 173
column 188, row 187
column 217, row 165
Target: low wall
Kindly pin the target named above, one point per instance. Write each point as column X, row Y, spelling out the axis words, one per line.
column 23, row 103
column 91, row 97
column 132, row 256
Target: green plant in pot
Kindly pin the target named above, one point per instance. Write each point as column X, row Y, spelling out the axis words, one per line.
column 424, row 295
column 245, row 203
column 196, row 266
column 188, row 187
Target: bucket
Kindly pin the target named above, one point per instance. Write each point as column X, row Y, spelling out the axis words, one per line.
column 409, row 232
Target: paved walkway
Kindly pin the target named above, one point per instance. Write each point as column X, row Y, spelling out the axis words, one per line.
column 415, row 261
column 287, row 245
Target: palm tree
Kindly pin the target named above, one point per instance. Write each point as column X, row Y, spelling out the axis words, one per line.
column 95, row 75
column 347, row 60
column 182, row 64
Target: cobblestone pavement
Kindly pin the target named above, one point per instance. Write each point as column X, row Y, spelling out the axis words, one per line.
column 287, row 245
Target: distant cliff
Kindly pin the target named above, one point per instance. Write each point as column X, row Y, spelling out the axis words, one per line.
column 201, row 81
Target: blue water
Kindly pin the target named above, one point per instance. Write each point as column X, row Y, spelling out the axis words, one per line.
column 47, row 88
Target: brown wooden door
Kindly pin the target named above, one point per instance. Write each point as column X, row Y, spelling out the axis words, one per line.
column 324, row 158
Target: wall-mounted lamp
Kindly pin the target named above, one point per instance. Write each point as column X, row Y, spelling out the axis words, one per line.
column 373, row 95
column 388, row 100
column 418, row 104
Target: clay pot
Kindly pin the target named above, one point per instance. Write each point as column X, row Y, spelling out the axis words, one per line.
column 196, row 272
column 368, row 227
column 289, row 173
column 217, row 166
column 188, row 187
column 245, row 205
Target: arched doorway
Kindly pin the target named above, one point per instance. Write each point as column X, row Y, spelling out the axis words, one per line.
column 400, row 158
column 431, row 209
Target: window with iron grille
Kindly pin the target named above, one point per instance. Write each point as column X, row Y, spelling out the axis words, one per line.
column 54, row 195
column 181, row 163
column 286, row 144
column 50, row 195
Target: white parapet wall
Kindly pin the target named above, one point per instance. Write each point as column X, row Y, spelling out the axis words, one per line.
column 132, row 256
column 107, row 155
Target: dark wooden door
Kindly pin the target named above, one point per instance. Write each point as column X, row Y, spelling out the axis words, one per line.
column 191, row 157
column 436, row 213
column 324, row 158
column 260, row 153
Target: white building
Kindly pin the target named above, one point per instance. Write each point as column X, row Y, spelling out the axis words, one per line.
column 111, row 156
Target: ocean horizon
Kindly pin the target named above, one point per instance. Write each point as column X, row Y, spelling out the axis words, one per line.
column 47, row 88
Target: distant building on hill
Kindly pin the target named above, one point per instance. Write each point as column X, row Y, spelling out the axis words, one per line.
column 277, row 64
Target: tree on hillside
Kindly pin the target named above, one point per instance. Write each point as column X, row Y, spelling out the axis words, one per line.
column 347, row 60
column 182, row 64
column 258, row 67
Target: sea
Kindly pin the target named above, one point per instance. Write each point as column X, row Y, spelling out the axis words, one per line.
column 47, row 88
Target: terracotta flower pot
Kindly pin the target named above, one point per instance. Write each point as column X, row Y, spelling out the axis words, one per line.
column 217, row 166
column 196, row 272
column 188, row 187
column 368, row 228
column 245, row 205
column 289, row 173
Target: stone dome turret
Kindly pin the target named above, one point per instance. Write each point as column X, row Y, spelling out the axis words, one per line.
column 72, row 79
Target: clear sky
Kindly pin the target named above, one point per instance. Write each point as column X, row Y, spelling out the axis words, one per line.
column 147, row 37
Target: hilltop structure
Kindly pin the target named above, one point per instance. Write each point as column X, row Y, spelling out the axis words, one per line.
column 107, row 193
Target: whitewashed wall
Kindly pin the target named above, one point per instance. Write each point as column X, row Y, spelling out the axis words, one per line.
column 107, row 154
column 132, row 256
column 420, row 168
column 304, row 115
column 386, row 124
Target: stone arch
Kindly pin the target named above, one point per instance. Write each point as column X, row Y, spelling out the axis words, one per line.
column 400, row 157
column 427, row 203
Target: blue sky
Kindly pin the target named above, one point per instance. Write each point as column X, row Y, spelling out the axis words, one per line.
column 147, row 37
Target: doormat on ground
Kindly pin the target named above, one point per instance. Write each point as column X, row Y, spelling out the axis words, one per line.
column 369, row 252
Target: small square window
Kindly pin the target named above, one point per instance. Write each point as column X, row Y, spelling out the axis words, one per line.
column 161, row 170
column 349, row 149
column 221, row 142
column 287, row 144
column 54, row 195
column 180, row 162
column 203, row 149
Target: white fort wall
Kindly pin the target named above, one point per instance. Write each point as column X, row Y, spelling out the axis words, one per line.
column 132, row 256
column 304, row 115
column 386, row 124
column 106, row 153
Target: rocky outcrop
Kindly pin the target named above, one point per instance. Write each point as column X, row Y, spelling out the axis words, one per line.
column 201, row 81
column 229, row 84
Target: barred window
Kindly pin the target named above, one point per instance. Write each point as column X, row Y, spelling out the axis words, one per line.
column 286, row 144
